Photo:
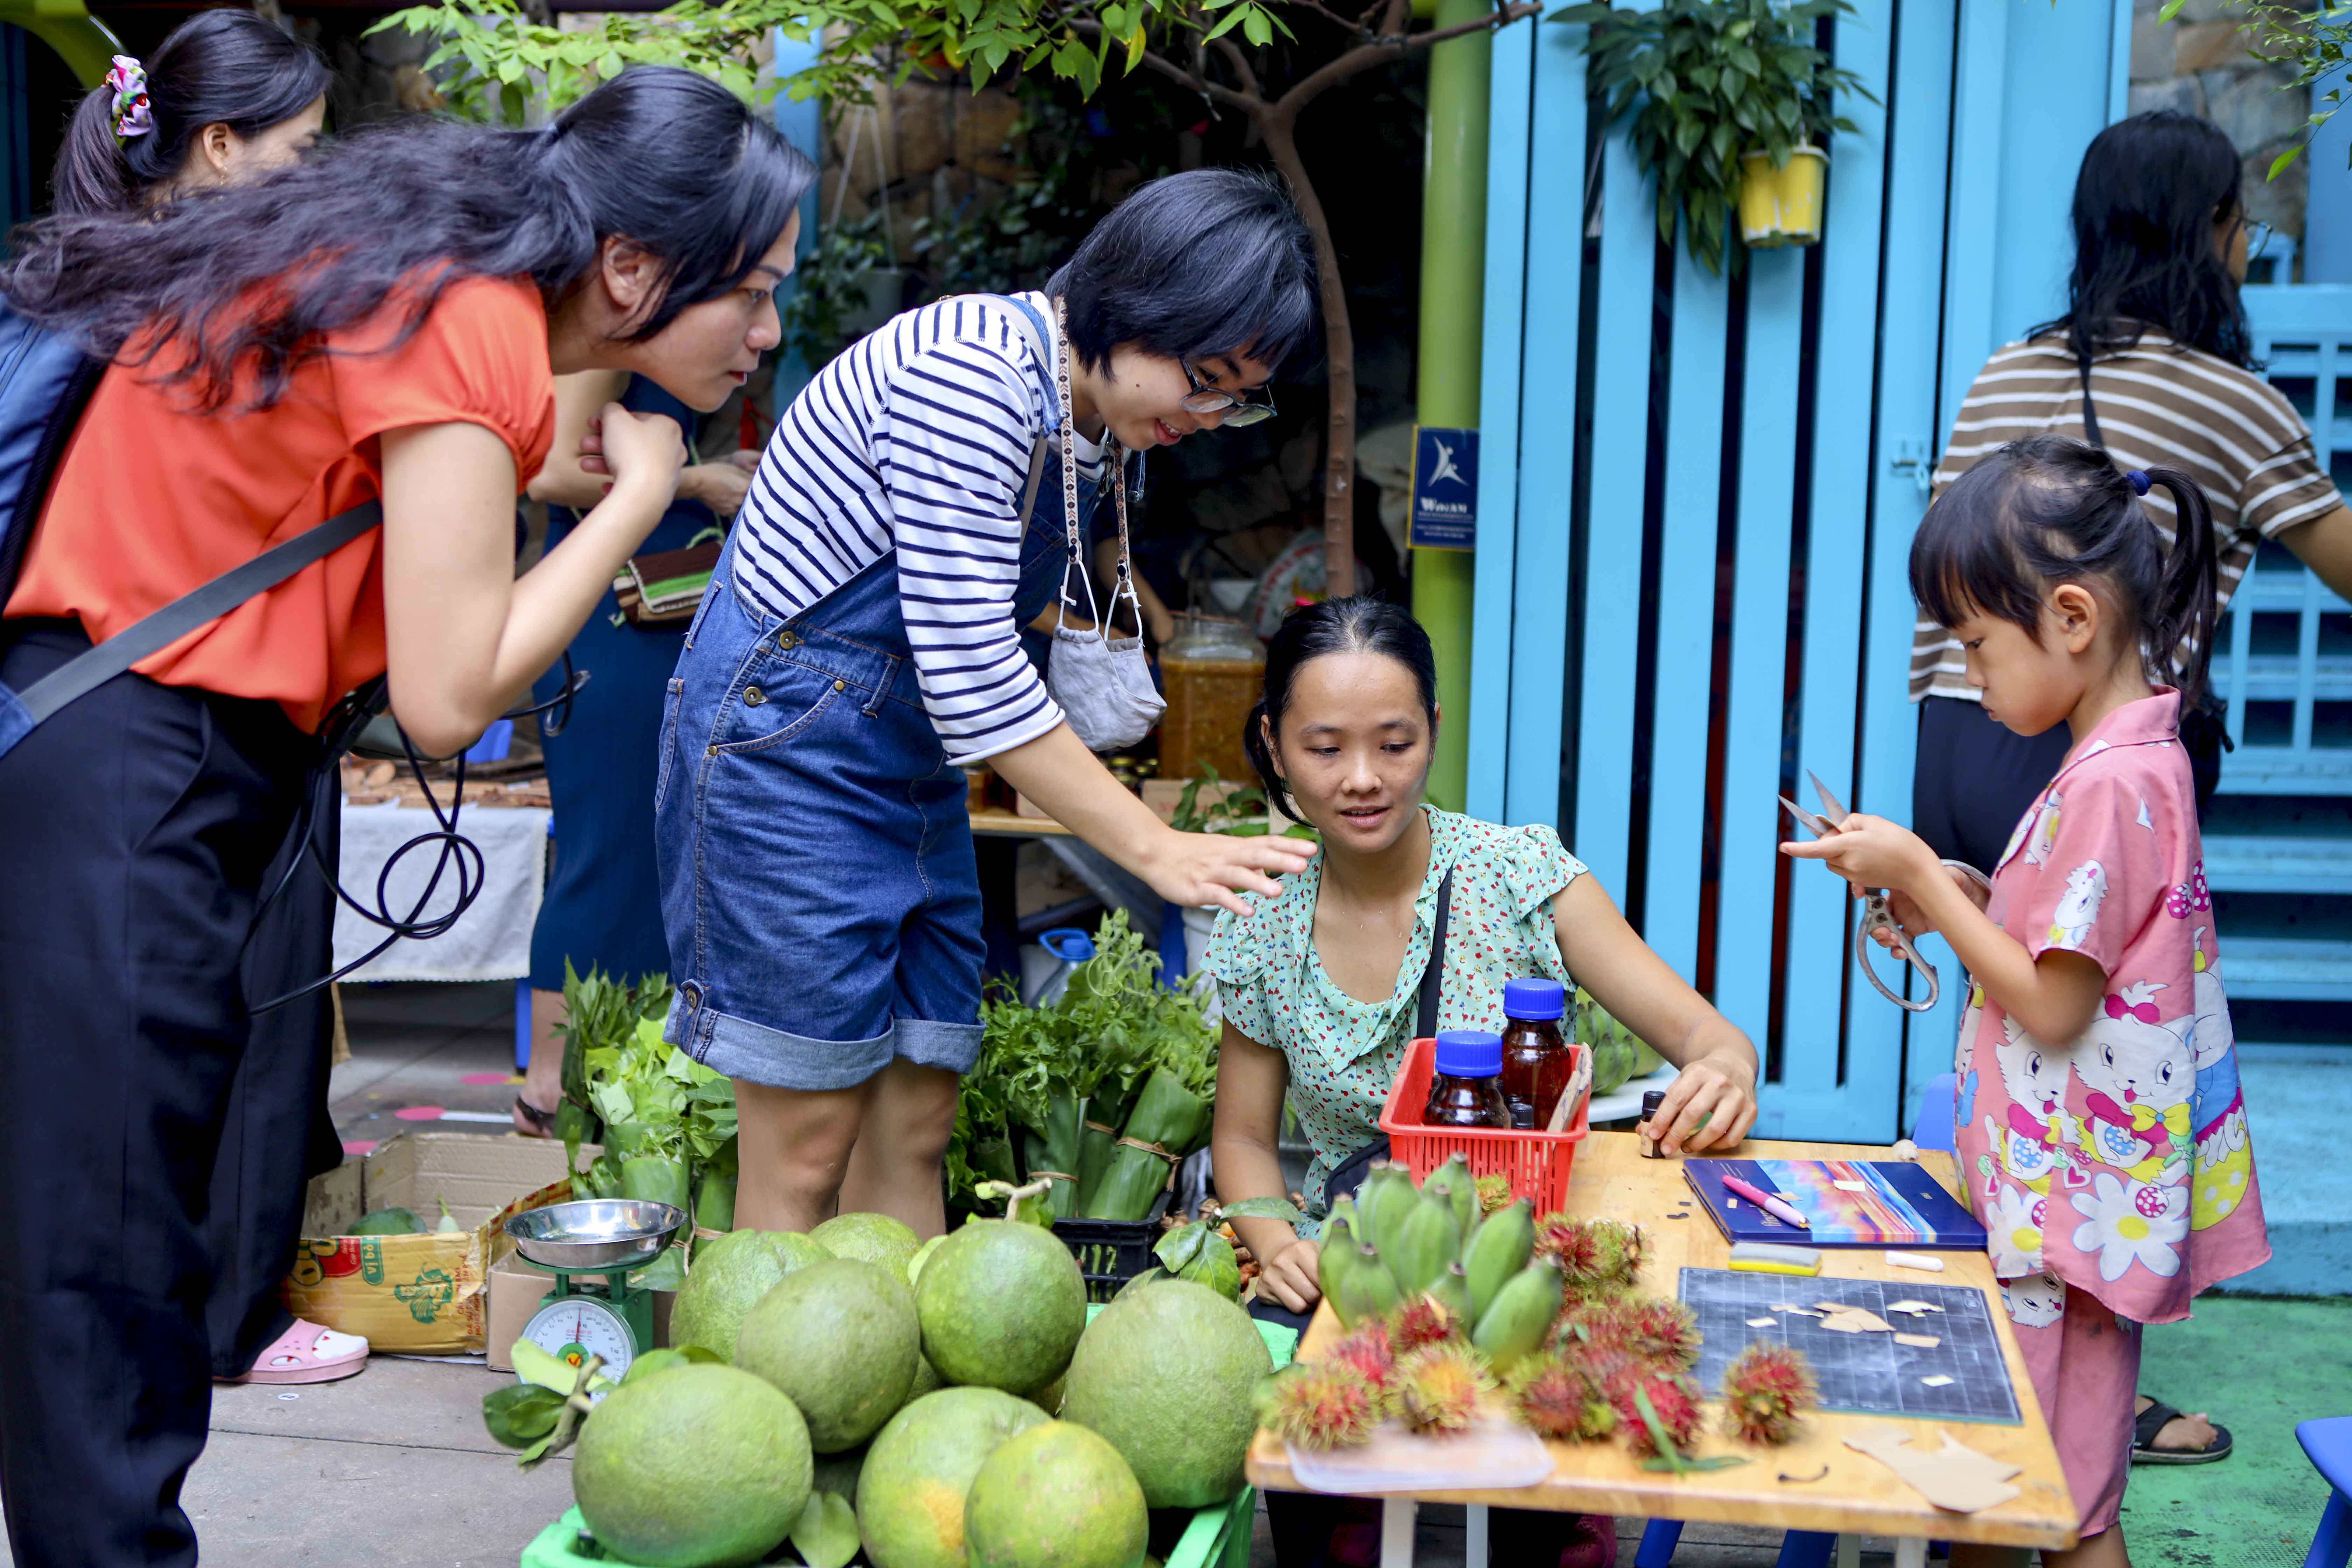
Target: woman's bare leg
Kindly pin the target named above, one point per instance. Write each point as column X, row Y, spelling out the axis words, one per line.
column 542, row 1083
column 795, row 1147
column 895, row 1167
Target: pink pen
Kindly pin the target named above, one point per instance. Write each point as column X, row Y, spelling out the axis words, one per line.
column 1766, row 1202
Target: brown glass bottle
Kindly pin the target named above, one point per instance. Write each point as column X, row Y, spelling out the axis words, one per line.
column 1536, row 1059
column 1468, row 1089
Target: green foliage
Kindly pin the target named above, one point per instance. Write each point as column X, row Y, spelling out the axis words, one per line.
column 1707, row 81
column 1243, row 812
column 2313, row 42
column 829, row 289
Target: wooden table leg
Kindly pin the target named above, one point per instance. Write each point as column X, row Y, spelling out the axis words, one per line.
column 1474, row 1536
column 1397, row 1515
column 1910, row 1552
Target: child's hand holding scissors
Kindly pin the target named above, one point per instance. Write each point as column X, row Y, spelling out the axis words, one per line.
column 1872, row 852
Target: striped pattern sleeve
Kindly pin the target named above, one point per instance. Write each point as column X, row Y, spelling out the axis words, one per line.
column 2159, row 406
column 952, row 446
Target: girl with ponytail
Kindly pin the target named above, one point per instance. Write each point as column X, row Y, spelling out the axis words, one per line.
column 380, row 324
column 225, row 98
column 2098, row 1111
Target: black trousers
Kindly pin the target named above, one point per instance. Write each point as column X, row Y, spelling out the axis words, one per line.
column 157, row 1139
column 1973, row 778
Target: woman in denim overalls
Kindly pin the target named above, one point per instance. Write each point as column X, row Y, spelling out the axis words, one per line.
column 818, row 881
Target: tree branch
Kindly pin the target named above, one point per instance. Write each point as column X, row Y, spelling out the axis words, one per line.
column 1188, row 80
column 1364, row 56
column 1241, row 66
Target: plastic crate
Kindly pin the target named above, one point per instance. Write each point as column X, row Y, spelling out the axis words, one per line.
column 1536, row 1163
column 1110, row 1252
column 1218, row 1536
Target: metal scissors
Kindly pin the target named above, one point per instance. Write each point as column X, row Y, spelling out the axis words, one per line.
column 1875, row 915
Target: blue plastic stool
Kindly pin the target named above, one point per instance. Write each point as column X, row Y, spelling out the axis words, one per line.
column 2329, row 1442
column 1799, row 1548
column 1934, row 1128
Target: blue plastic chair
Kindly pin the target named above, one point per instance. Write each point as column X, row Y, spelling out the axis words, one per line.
column 2328, row 1443
column 1799, row 1548
column 1934, row 1128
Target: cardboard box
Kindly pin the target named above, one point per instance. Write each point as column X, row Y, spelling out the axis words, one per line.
column 421, row 1294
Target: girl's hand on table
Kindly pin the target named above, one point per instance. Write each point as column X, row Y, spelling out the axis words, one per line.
column 1290, row 1276
column 1719, row 1089
column 1194, row 870
column 1872, row 852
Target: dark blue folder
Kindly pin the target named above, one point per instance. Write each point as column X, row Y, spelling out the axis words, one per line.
column 1899, row 1205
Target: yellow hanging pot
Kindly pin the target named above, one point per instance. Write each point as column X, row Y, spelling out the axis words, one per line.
column 1783, row 205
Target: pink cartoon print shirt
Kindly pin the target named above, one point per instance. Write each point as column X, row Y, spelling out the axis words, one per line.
column 2118, row 1162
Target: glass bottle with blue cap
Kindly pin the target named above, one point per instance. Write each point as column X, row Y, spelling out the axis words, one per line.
column 1536, row 1059
column 1468, row 1089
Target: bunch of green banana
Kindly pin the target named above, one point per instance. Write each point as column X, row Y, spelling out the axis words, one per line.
column 1395, row 1243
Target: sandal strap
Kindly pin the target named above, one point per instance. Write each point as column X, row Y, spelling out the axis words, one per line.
column 2151, row 1421
column 542, row 1120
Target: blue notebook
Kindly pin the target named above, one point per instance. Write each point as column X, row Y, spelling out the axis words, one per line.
column 1851, row 1203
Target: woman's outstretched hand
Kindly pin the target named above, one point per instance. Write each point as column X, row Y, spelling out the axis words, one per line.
column 1711, row 1103
column 1291, row 1277
column 1196, row 870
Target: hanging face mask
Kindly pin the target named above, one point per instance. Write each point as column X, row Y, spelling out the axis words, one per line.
column 1102, row 682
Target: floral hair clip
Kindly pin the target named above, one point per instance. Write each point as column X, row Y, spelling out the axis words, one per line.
column 128, row 79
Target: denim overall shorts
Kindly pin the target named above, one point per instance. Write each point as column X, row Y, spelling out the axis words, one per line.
column 819, row 890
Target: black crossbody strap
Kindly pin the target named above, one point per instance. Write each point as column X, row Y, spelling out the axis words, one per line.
column 1433, row 977
column 158, row 630
column 2090, row 415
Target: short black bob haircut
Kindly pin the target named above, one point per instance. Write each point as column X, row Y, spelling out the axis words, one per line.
column 2048, row 510
column 1205, row 264
column 1364, row 623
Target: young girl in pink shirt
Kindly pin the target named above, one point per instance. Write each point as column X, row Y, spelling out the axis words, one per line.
column 2101, row 1132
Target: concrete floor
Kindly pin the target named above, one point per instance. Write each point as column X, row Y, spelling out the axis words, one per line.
column 392, row 1469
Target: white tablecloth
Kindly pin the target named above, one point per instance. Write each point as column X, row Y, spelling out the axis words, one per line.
column 492, row 940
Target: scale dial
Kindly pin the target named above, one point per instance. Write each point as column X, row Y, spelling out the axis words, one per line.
column 574, row 1328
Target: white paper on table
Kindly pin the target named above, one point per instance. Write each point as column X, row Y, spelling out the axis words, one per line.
column 1493, row 1455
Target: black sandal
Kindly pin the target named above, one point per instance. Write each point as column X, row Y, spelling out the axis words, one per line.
column 543, row 1121
column 2151, row 1421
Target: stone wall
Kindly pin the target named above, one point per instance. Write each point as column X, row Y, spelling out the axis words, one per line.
column 924, row 149
column 2199, row 63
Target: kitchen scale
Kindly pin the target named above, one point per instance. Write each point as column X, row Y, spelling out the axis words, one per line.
column 607, row 1237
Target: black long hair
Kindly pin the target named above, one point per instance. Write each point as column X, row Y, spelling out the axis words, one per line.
column 2049, row 509
column 2151, row 191
column 1361, row 624
column 1206, row 263
column 240, row 286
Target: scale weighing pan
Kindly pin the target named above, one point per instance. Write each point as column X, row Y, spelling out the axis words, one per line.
column 595, row 1233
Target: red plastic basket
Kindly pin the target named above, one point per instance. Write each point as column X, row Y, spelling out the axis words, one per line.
column 1535, row 1163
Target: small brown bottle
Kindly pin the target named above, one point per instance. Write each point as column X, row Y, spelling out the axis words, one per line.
column 1535, row 1058
column 1467, row 1091
column 1652, row 1101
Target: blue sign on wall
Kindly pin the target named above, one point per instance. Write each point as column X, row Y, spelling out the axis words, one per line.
column 1444, row 489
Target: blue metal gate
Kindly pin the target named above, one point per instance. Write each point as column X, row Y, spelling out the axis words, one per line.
column 1700, row 492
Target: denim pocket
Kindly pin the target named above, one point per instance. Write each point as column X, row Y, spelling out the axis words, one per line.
column 668, row 757
column 779, row 698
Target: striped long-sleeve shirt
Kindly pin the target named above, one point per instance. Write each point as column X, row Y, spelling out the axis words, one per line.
column 2159, row 406
column 916, row 439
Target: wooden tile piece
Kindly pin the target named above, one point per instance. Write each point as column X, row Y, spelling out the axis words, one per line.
column 1952, row 1476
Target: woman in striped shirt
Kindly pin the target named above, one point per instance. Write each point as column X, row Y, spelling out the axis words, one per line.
column 2153, row 360
column 861, row 646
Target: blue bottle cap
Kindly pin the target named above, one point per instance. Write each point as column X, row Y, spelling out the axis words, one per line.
column 1534, row 999
column 1469, row 1053
column 1068, row 943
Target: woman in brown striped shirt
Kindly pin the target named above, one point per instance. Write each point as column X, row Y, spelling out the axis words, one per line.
column 2154, row 362
column 2155, row 335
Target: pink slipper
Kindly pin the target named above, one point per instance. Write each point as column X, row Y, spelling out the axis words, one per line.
column 307, row 1353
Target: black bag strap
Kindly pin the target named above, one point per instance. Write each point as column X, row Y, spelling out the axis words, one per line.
column 2090, row 415
column 1434, row 976
column 159, row 630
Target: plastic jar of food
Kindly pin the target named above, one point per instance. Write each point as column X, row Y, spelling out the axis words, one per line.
column 1467, row 1089
column 1535, row 1056
column 1214, row 671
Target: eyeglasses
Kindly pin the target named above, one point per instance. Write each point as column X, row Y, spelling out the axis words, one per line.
column 1239, row 408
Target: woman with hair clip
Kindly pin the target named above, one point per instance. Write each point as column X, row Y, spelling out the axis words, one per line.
column 225, row 98
column 381, row 323
column 923, row 499
column 2153, row 363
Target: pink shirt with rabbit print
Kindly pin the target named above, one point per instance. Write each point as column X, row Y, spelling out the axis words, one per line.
column 2118, row 1162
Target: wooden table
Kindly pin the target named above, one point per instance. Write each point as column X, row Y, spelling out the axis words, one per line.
column 1858, row 1497
column 995, row 824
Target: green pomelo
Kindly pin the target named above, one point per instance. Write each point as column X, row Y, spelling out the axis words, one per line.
column 1056, row 1496
column 910, row 1496
column 1001, row 1305
column 875, row 1237
column 927, row 1380
column 840, row 1338
column 704, row 1467
column 923, row 1256
column 729, row 1277
column 1167, row 1375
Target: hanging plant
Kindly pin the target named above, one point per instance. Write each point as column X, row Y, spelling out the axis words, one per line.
column 1708, row 83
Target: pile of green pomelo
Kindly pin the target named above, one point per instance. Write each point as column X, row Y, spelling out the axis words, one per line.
column 931, row 1405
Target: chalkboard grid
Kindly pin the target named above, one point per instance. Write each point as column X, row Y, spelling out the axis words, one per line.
column 1868, row 1373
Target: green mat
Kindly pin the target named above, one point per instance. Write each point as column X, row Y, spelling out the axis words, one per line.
column 2257, row 1366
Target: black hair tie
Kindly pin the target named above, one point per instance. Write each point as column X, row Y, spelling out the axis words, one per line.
column 2138, row 482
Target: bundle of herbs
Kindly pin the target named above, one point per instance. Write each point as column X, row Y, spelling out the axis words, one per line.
column 1097, row 1095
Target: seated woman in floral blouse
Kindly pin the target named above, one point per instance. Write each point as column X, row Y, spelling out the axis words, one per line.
column 1319, row 989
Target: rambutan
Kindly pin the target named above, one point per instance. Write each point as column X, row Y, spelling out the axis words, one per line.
column 1422, row 1321
column 1320, row 1404
column 1437, row 1388
column 1370, row 1352
column 1671, row 1398
column 1555, row 1399
column 1622, row 1247
column 1493, row 1192
column 1662, row 1332
column 1767, row 1392
column 1569, row 1242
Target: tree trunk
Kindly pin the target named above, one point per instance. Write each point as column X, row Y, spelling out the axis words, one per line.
column 1339, row 350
